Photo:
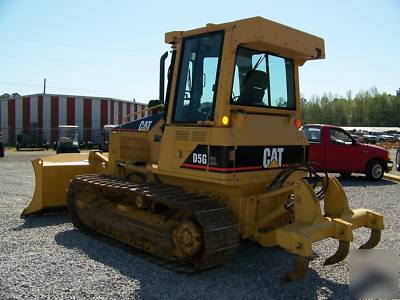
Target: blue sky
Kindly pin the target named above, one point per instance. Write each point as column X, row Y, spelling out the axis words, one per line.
column 112, row 48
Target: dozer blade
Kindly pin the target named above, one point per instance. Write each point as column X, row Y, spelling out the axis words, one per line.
column 52, row 177
column 340, row 254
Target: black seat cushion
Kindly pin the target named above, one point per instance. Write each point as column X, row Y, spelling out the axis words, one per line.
column 253, row 87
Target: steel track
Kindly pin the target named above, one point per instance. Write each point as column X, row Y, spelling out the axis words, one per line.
column 220, row 237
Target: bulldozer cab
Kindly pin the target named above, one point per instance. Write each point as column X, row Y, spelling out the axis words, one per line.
column 249, row 65
column 232, row 87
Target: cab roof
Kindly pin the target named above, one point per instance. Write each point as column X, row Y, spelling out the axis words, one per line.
column 262, row 34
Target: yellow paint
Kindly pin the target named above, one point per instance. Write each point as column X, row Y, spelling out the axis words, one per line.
column 261, row 215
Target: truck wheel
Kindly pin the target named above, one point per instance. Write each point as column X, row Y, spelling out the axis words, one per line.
column 398, row 160
column 375, row 170
column 1, row 154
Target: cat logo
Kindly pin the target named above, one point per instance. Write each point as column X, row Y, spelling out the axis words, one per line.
column 272, row 157
column 144, row 125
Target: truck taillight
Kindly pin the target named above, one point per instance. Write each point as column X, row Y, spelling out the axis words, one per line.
column 297, row 123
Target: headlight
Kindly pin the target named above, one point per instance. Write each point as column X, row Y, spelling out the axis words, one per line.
column 74, row 143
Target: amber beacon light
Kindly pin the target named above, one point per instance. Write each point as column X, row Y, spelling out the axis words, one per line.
column 297, row 123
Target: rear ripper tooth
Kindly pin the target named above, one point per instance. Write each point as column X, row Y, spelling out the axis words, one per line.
column 155, row 230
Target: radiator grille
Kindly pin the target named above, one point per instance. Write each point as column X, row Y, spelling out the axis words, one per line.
column 182, row 135
column 199, row 136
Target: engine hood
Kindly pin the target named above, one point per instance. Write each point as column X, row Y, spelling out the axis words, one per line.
column 374, row 149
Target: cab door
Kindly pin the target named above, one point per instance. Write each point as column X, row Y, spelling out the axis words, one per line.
column 341, row 154
column 186, row 137
column 316, row 149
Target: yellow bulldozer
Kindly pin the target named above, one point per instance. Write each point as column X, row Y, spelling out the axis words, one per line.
column 219, row 158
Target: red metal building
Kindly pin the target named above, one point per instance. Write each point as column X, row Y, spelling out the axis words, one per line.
column 43, row 113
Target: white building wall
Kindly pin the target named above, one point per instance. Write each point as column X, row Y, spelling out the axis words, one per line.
column 46, row 113
column 115, row 112
column 123, row 112
column 47, row 117
column 130, row 110
column 34, row 109
column 79, row 114
column 96, row 113
column 95, row 119
column 109, row 111
column 62, row 110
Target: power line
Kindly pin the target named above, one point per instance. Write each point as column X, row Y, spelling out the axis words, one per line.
column 62, row 44
column 16, row 84
column 20, row 84
column 70, row 62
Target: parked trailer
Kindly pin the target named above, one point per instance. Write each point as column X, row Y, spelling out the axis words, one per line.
column 31, row 140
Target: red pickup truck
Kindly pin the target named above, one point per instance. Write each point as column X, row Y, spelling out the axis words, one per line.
column 336, row 151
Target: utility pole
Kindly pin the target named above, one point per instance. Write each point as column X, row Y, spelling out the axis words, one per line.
column 44, row 86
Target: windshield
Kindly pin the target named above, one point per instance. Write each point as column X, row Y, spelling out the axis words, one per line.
column 262, row 79
column 68, row 132
column 198, row 78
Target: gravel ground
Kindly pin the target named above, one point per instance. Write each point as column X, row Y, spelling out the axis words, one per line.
column 45, row 257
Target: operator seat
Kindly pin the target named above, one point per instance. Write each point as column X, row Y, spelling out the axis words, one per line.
column 253, row 87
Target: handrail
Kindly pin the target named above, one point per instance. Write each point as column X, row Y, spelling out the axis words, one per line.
column 128, row 116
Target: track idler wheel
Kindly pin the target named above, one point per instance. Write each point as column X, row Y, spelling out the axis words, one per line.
column 299, row 270
column 187, row 239
column 340, row 254
column 373, row 240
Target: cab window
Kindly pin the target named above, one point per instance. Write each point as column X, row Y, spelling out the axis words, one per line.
column 198, row 78
column 263, row 79
column 339, row 137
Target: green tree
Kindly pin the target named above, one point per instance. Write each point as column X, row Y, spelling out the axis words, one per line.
column 366, row 108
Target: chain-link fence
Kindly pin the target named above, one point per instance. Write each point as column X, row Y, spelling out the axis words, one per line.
column 40, row 137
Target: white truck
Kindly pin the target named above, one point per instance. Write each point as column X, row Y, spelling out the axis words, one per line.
column 68, row 139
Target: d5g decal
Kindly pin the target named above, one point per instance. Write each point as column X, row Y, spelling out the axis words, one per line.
column 245, row 158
